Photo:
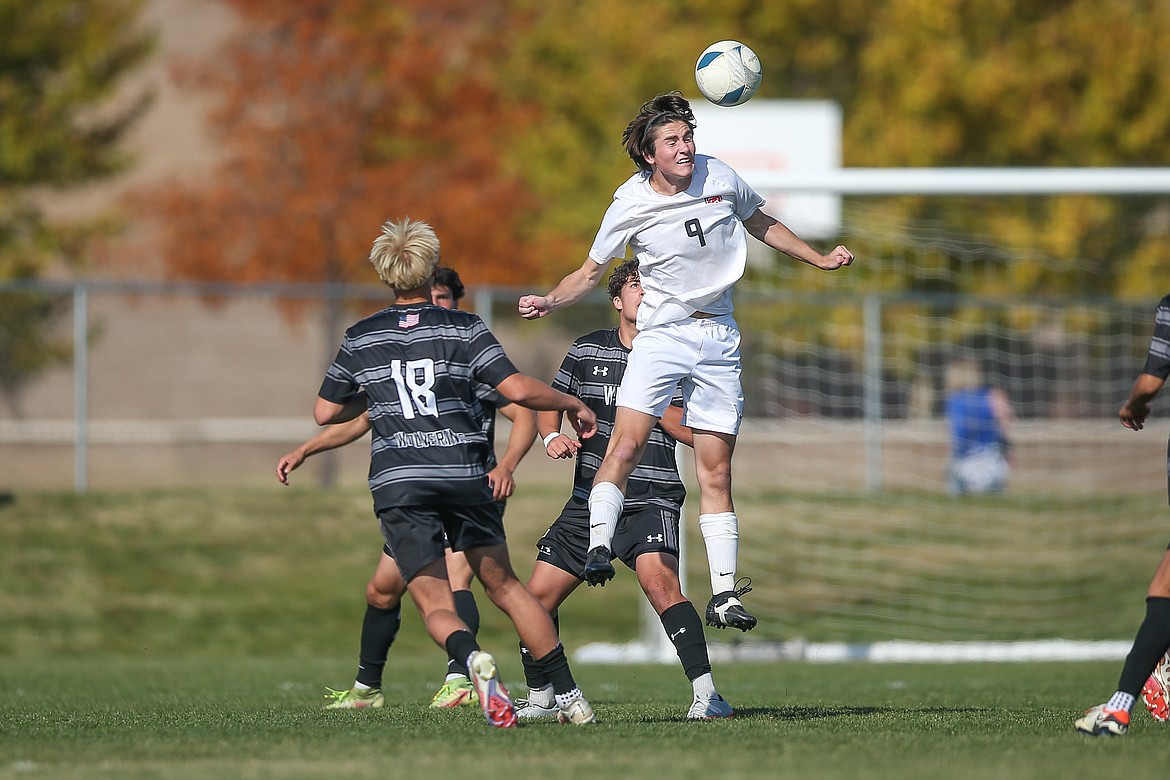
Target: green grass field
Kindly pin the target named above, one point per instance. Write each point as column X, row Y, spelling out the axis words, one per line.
column 255, row 718
column 191, row 634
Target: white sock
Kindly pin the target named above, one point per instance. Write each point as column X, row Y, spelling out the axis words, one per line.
column 563, row 699
column 357, row 686
column 542, row 696
column 455, row 676
column 703, row 685
column 1121, row 701
column 721, row 535
column 605, row 507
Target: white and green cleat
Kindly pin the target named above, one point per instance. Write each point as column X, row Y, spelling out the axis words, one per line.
column 355, row 699
column 457, row 692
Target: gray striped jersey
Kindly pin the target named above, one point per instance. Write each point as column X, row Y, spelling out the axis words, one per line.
column 1158, row 359
column 592, row 371
column 423, row 370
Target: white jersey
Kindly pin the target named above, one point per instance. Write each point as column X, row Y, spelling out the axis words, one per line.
column 691, row 247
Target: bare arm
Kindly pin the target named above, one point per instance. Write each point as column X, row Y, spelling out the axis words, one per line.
column 519, row 443
column 562, row 446
column 534, row 394
column 1001, row 408
column 329, row 413
column 1136, row 408
column 777, row 235
column 332, row 437
column 572, row 288
column 672, row 423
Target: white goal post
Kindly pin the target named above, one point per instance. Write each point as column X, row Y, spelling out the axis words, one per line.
column 968, row 181
column 653, row 645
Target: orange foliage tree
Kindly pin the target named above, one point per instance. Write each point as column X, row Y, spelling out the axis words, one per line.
column 333, row 116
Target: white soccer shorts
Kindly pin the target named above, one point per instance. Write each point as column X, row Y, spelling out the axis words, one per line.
column 702, row 354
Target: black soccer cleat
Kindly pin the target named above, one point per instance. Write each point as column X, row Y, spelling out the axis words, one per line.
column 725, row 610
column 598, row 569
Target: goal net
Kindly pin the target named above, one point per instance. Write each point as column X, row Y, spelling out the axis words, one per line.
column 851, row 528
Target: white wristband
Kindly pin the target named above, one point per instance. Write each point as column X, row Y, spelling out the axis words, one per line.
column 550, row 437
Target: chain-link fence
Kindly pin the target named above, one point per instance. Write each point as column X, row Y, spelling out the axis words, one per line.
column 205, row 384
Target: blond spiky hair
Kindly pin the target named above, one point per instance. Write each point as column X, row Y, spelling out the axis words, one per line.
column 405, row 255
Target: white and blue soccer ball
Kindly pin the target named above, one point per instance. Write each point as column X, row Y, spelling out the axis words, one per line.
column 728, row 73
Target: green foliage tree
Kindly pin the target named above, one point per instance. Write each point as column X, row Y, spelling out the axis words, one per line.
column 921, row 83
column 1073, row 83
column 60, row 63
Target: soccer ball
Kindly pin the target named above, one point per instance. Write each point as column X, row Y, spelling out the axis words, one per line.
column 728, row 73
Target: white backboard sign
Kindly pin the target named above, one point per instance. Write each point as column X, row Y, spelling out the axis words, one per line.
column 778, row 136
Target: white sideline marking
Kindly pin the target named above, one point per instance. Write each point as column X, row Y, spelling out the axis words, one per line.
column 878, row 652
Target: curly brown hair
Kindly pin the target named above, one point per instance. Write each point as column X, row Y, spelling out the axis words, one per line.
column 623, row 273
column 639, row 136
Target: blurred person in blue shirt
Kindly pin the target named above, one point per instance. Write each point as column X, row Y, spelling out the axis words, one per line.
column 980, row 418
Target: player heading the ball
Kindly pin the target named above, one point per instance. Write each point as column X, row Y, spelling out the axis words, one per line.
column 686, row 216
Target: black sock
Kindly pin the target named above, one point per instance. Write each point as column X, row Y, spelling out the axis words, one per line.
column 685, row 629
column 555, row 668
column 1150, row 644
column 468, row 612
column 534, row 675
column 379, row 628
column 461, row 644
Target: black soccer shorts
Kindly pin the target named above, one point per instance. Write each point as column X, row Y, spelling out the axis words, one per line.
column 646, row 528
column 417, row 535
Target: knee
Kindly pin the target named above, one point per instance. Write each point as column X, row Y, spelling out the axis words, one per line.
column 548, row 599
column 625, row 449
column 382, row 596
column 662, row 600
column 499, row 589
column 662, row 590
column 715, row 477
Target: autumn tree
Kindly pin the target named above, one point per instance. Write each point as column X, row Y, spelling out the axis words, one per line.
column 334, row 116
column 501, row 124
column 61, row 62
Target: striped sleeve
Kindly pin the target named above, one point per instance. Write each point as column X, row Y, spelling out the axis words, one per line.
column 340, row 384
column 489, row 363
column 566, row 377
column 1158, row 359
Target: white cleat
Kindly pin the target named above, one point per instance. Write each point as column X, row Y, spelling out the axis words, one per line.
column 709, row 707
column 577, row 712
column 530, row 710
column 1102, row 722
column 540, row 704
